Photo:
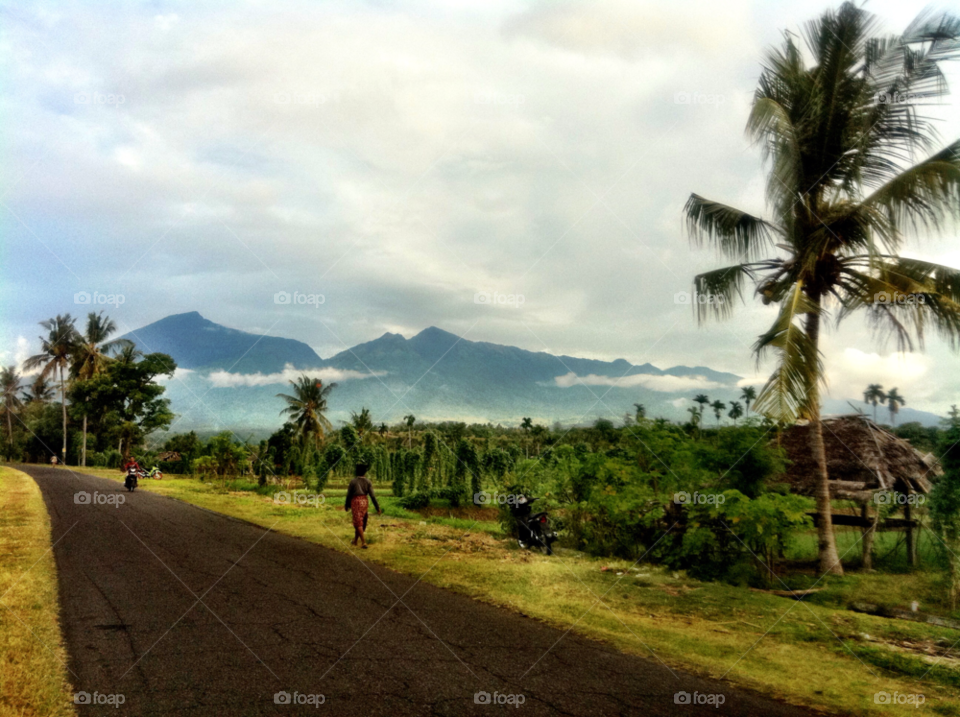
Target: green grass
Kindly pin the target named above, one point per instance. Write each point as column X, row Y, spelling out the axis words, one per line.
column 816, row 654
column 33, row 673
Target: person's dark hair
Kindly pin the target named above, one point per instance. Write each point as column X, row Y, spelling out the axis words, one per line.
column 361, row 469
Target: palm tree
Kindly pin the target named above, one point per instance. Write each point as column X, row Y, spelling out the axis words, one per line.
column 91, row 356
column 362, row 422
column 703, row 400
column 736, row 411
column 749, row 395
column 641, row 411
column 56, row 351
column 307, row 406
column 894, row 401
column 410, row 419
column 874, row 395
column 9, row 385
column 718, row 406
column 383, row 429
column 842, row 195
column 39, row 391
column 695, row 416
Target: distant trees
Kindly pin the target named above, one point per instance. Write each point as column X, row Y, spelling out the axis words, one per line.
column 9, row 386
column 736, row 411
column 718, row 408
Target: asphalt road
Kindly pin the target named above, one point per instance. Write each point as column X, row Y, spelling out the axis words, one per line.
column 179, row 611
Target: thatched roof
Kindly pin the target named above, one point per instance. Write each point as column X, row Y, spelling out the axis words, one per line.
column 862, row 458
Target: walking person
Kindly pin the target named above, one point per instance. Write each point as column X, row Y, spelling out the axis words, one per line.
column 358, row 491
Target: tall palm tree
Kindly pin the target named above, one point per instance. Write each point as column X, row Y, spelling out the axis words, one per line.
column 39, row 391
column 703, row 400
column 736, row 411
column 307, row 406
column 894, row 401
column 749, row 395
column 410, row 419
column 718, row 407
column 841, row 136
column 56, row 352
column 874, row 395
column 9, row 385
column 92, row 356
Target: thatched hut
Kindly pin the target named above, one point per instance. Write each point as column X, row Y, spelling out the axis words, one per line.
column 862, row 459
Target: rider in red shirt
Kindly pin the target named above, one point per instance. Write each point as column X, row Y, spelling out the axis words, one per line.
column 131, row 467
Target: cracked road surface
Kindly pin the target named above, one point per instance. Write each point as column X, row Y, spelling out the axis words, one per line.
column 188, row 612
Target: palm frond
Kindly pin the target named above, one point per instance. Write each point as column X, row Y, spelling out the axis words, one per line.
column 737, row 234
column 791, row 390
column 715, row 292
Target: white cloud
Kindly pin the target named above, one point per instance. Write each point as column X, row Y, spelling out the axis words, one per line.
column 664, row 384
column 224, row 379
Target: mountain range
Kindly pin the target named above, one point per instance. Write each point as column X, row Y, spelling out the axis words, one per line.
column 228, row 378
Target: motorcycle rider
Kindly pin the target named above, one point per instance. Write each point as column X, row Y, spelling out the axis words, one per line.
column 132, row 469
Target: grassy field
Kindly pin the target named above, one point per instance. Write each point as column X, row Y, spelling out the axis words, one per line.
column 817, row 654
column 33, row 673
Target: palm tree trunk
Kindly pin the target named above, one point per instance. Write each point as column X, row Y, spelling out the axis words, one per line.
column 829, row 559
column 83, row 459
column 63, row 403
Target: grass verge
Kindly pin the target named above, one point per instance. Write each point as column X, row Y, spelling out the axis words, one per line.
column 33, row 672
column 819, row 655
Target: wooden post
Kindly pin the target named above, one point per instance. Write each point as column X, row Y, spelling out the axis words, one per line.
column 911, row 541
column 868, row 534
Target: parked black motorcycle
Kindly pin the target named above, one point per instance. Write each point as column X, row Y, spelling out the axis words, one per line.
column 533, row 529
column 132, row 479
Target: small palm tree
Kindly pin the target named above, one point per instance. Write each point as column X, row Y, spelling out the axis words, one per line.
column 736, row 411
column 842, row 136
column 703, row 400
column 894, row 401
column 641, row 411
column 383, row 429
column 9, row 385
column 92, row 356
column 307, row 406
column 749, row 395
column 56, row 352
column 874, row 395
column 362, row 422
column 718, row 408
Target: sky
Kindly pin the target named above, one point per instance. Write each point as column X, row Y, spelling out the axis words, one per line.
column 511, row 172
